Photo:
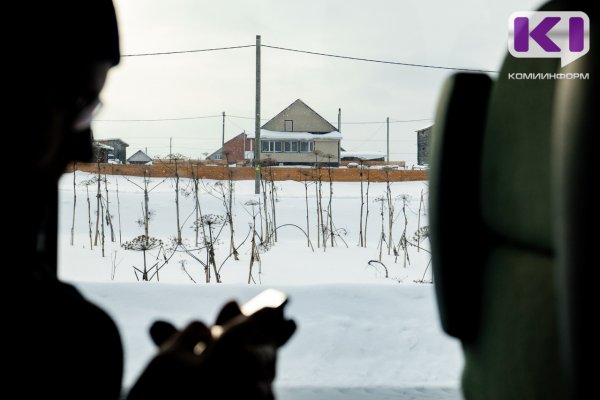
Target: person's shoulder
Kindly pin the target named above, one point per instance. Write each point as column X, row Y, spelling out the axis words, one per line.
column 67, row 314
column 74, row 302
column 77, row 335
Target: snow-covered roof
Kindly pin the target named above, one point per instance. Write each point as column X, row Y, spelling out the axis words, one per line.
column 276, row 135
column 103, row 146
column 114, row 140
column 428, row 126
column 363, row 155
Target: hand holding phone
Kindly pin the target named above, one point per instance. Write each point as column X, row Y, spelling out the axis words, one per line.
column 234, row 359
column 270, row 298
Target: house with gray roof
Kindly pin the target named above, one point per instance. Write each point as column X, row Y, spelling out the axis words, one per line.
column 299, row 135
column 139, row 158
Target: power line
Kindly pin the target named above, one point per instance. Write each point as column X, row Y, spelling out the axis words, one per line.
column 252, row 118
column 164, row 53
column 242, row 117
column 186, row 139
column 410, row 120
column 349, row 122
column 379, row 61
column 376, row 131
column 157, row 119
column 239, row 127
column 315, row 53
column 383, row 122
column 238, row 116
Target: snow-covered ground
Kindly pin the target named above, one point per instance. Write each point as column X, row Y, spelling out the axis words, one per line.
column 360, row 335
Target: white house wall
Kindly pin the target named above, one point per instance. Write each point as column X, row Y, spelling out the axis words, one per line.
column 325, row 152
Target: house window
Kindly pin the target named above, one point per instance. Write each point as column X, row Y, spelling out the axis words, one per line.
column 307, row 147
column 267, row 146
column 276, row 146
column 271, row 146
column 288, row 125
column 290, row 147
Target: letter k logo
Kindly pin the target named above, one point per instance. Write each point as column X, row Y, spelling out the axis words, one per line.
column 549, row 34
column 539, row 34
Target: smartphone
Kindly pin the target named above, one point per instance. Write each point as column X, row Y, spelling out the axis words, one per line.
column 270, row 298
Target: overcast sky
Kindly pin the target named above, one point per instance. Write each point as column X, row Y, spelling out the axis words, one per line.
column 467, row 33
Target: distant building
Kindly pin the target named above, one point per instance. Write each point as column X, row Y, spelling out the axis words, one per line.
column 358, row 156
column 299, row 135
column 119, row 149
column 101, row 152
column 139, row 158
column 423, row 138
column 235, row 149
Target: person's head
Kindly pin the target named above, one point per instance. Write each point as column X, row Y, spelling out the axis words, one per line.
column 74, row 44
column 65, row 49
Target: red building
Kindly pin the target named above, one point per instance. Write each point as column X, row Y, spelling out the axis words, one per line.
column 237, row 149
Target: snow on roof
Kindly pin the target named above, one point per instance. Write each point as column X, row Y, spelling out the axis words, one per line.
column 428, row 126
column 363, row 155
column 114, row 140
column 102, row 146
column 265, row 134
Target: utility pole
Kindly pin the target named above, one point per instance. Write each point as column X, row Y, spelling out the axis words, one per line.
column 257, row 121
column 170, row 149
column 388, row 139
column 223, row 139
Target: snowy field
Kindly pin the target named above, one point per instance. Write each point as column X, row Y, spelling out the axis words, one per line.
column 361, row 335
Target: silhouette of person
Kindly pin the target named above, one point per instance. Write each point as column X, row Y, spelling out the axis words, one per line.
column 60, row 345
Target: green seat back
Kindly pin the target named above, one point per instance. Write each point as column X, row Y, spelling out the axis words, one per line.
column 506, row 271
